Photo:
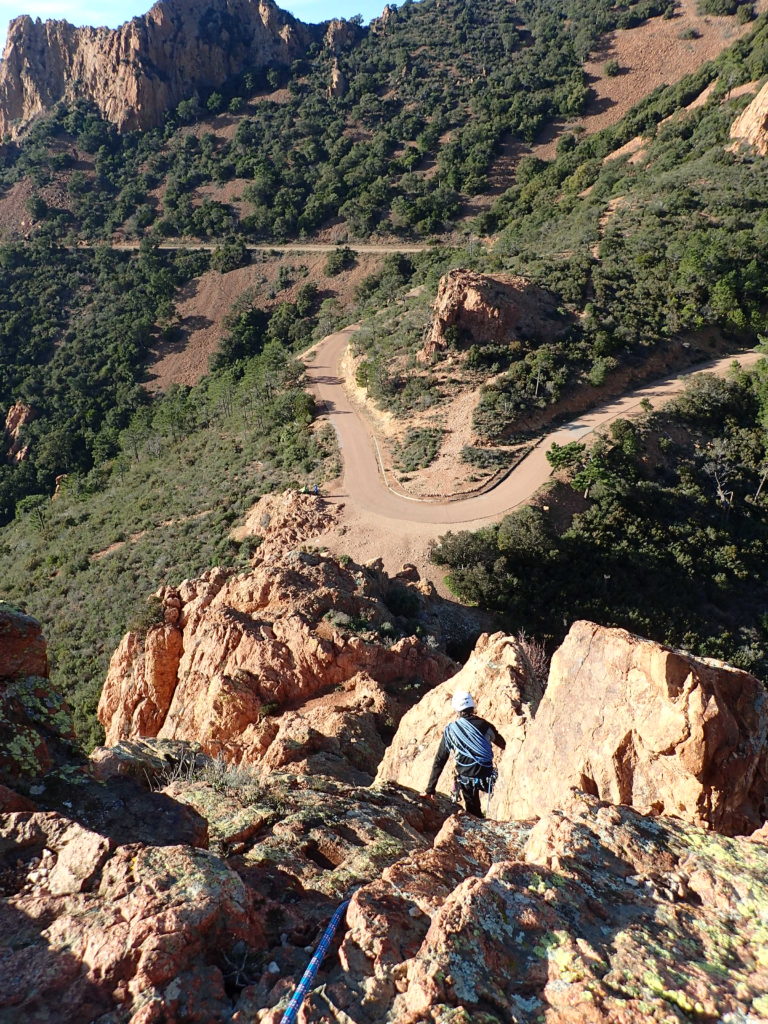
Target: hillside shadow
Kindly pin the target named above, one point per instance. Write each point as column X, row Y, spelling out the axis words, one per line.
column 125, row 811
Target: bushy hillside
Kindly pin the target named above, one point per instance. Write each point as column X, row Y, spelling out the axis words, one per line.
column 661, row 527
column 160, row 511
column 425, row 100
column 655, row 256
column 431, row 92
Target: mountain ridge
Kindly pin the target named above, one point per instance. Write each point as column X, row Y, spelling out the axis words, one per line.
column 135, row 73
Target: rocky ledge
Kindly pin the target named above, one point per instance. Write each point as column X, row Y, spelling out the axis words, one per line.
column 162, row 885
column 594, row 913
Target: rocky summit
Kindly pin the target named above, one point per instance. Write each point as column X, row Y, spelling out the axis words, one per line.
column 135, row 73
column 158, row 883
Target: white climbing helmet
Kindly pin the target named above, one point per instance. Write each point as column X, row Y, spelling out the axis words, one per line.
column 462, row 701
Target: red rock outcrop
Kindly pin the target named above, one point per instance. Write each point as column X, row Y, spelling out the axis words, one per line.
column 341, row 34
column 338, row 84
column 135, row 73
column 235, row 649
column 17, row 417
column 490, row 310
column 22, row 647
column 597, row 915
column 286, row 519
column 100, row 920
column 141, row 933
column 637, row 723
column 35, row 723
column 501, row 679
column 751, row 126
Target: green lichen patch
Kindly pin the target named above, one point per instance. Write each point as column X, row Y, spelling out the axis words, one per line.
column 644, row 918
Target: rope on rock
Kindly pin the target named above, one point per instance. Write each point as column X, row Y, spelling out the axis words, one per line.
column 308, row 977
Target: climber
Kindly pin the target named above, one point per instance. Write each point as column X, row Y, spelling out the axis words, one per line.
column 469, row 739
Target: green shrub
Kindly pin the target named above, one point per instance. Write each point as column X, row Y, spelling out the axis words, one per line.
column 149, row 614
column 418, row 449
column 339, row 260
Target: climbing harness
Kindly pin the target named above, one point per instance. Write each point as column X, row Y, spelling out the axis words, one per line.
column 308, row 977
column 485, row 782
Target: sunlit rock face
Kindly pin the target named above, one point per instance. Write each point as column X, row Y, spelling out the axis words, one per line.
column 637, row 723
column 135, row 73
column 297, row 661
column 751, row 126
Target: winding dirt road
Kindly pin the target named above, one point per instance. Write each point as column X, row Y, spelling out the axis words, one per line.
column 365, row 486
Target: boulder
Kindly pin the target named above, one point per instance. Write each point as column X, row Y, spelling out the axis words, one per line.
column 638, row 723
column 499, row 676
column 22, row 647
column 151, row 761
column 35, row 722
column 137, row 933
column 491, row 310
column 10, row 800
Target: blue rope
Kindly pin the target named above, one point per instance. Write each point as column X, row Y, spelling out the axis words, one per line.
column 308, row 977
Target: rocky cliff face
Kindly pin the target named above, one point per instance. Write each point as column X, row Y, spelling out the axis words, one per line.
column 595, row 915
column 137, row 72
column 17, row 417
column 751, row 126
column 637, row 723
column 623, row 718
column 104, row 924
column 301, row 635
column 490, row 310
